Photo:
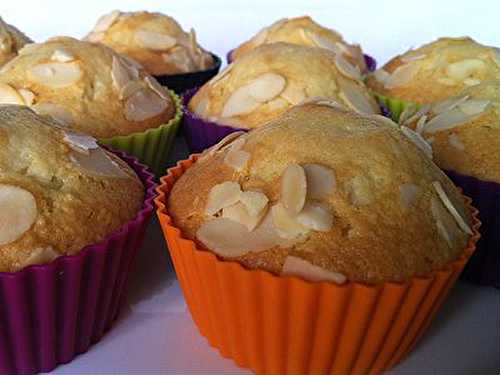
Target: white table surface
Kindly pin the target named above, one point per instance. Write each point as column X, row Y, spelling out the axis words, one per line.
column 155, row 334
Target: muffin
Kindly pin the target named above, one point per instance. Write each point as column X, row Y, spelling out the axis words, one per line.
column 306, row 32
column 88, row 88
column 289, row 213
column 11, row 41
column 436, row 70
column 154, row 40
column 464, row 132
column 265, row 82
column 72, row 217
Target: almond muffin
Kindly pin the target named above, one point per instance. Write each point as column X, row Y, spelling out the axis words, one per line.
column 304, row 31
column 293, row 198
column 436, row 70
column 11, row 41
column 59, row 191
column 86, row 86
column 155, row 40
column 268, row 80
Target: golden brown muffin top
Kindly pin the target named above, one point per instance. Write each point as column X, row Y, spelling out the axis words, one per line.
column 11, row 41
column 306, row 32
column 436, row 70
column 265, row 82
column 86, row 86
column 155, row 40
column 464, row 130
column 59, row 191
column 323, row 193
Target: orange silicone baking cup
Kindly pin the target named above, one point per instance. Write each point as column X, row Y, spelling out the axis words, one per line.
column 288, row 326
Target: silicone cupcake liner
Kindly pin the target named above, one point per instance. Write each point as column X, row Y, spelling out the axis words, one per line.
column 285, row 325
column 200, row 134
column 392, row 107
column 50, row 313
column 370, row 62
column 152, row 146
column 182, row 82
column 484, row 266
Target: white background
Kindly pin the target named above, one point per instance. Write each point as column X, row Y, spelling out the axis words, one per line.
column 155, row 334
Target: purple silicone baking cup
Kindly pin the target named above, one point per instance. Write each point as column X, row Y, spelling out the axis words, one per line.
column 50, row 313
column 484, row 266
column 201, row 134
column 371, row 63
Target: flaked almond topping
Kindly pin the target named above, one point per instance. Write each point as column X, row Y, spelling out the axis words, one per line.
column 55, row 74
column 41, row 255
column 294, row 95
column 344, row 49
column 356, row 98
column 221, row 196
column 402, row 75
column 419, row 128
column 222, row 75
column 9, row 95
column 106, row 21
column 226, row 141
column 266, row 87
column 385, row 120
column 418, row 140
column 320, row 181
column 62, row 55
column 56, row 111
column 156, row 87
column 381, row 75
column 119, row 74
column 155, row 41
column 423, row 110
column 28, row 96
column 201, row 109
column 235, row 157
column 448, row 104
column 239, row 103
column 448, row 120
column 255, row 202
column 471, row 81
column 129, row 89
column 408, row 112
column 277, row 104
column 286, row 224
column 95, row 37
column 453, row 211
column 239, row 213
column 97, row 162
column 454, row 141
column 144, row 104
column 323, row 102
column 299, row 267
column 473, row 107
column 319, row 41
column 315, row 217
column 18, row 212
column 346, row 68
column 463, row 69
column 293, row 188
column 412, row 56
column 80, row 142
column 441, row 228
column 360, row 193
column 408, row 195
column 261, row 36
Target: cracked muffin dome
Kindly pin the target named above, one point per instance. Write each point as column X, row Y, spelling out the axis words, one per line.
column 464, row 130
column 304, row 31
column 265, row 82
column 155, row 40
column 326, row 194
column 11, row 41
column 87, row 87
column 59, row 191
column 436, row 70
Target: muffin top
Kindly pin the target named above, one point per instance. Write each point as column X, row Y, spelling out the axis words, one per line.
column 59, row 191
column 437, row 70
column 155, row 40
column 11, row 41
column 323, row 193
column 464, row 130
column 85, row 86
column 265, row 82
column 304, row 31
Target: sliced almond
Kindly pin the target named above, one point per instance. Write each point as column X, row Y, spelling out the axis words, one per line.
column 221, row 196
column 80, row 142
column 473, row 107
column 448, row 104
column 239, row 213
column 356, row 98
column 129, row 89
column 56, row 111
column 106, row 21
column 402, row 75
column 408, row 112
column 237, row 158
column 294, row 95
column 286, row 224
column 418, row 140
column 315, row 217
column 360, row 193
column 41, row 255
column 154, row 41
column 9, row 95
column 144, row 104
column 222, row 75
column 408, row 195
column 239, row 103
column 18, row 212
column 453, row 211
column 381, row 75
column 346, row 68
column 448, row 120
column 98, row 163
column 27, row 95
column 423, row 110
column 299, row 267
column 471, row 81
column 55, row 74
column 419, row 127
column 119, row 74
column 320, row 181
column 454, row 141
column 226, row 141
column 62, row 55
column 463, row 69
column 156, row 87
column 255, row 202
column 293, row 188
column 266, row 87
column 412, row 56
column 95, row 37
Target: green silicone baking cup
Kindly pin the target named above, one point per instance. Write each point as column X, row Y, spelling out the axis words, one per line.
column 152, row 146
column 395, row 106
